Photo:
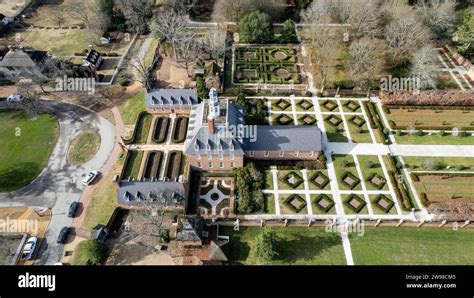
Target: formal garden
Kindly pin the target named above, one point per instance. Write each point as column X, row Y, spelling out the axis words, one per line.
column 215, row 197
column 266, row 65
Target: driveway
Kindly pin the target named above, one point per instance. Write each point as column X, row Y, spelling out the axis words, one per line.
column 59, row 184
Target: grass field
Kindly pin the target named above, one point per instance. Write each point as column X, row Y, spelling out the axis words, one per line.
column 411, row 246
column 404, row 117
column 295, row 246
column 83, row 147
column 131, row 108
column 101, row 204
column 447, row 188
column 416, row 163
column 25, row 147
column 434, row 140
column 143, row 129
column 358, row 134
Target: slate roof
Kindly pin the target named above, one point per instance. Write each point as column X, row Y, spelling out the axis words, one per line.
column 93, row 57
column 286, row 138
column 132, row 192
column 191, row 231
column 24, row 58
column 166, row 98
column 223, row 141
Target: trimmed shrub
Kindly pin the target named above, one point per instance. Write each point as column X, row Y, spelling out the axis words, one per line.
column 325, row 197
column 302, row 203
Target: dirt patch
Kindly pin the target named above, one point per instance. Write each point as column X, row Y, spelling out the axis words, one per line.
column 172, row 75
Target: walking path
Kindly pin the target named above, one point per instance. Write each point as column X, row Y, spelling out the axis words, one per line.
column 347, row 246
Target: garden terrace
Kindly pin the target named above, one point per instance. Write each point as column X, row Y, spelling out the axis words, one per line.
column 281, row 104
column 292, row 180
column 383, row 203
column 333, row 120
column 132, row 164
column 372, row 172
column 266, row 65
column 295, row 203
column 142, row 129
column 173, row 167
column 354, row 203
column 430, row 118
column 160, row 131
column 444, row 188
column 304, row 104
column 329, row 105
column 153, row 165
column 323, row 203
column 284, row 119
column 179, row 133
column 306, row 119
column 349, row 180
column 319, row 180
column 351, row 106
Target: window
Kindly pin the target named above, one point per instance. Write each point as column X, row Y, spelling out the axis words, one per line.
column 251, row 153
column 221, row 165
column 232, row 165
column 210, row 165
column 297, row 153
column 281, row 153
column 199, row 165
column 311, row 154
column 266, row 154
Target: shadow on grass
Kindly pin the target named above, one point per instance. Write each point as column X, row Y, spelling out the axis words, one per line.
column 18, row 176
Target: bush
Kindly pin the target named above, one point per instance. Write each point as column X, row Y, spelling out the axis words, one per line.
column 90, row 252
column 370, row 164
column 288, row 34
column 308, row 94
column 419, row 133
column 460, row 167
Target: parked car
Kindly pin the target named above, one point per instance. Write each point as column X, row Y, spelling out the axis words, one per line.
column 63, row 234
column 15, row 98
column 29, row 248
column 72, row 209
column 90, row 177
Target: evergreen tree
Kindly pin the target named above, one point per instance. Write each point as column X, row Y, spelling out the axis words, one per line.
column 256, row 27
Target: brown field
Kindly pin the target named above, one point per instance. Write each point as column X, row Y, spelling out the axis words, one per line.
column 404, row 117
column 446, row 188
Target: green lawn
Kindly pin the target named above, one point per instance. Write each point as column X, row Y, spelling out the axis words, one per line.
column 434, row 140
column 143, row 129
column 102, row 204
column 359, row 134
column 269, row 204
column 132, row 166
column 341, row 169
column 364, row 161
column 83, row 147
column 416, row 162
column 413, row 246
column 268, row 176
column 295, row 246
column 25, row 147
column 132, row 107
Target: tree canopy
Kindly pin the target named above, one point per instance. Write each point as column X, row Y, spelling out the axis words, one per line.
column 256, row 27
column 265, row 246
column 288, row 33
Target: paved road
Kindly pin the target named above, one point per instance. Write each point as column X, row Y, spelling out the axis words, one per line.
column 59, row 183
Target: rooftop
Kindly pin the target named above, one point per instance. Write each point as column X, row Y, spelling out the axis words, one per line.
column 133, row 192
column 165, row 98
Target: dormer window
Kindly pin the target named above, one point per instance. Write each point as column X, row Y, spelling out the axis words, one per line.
column 208, row 145
column 220, row 145
column 196, row 146
column 232, row 145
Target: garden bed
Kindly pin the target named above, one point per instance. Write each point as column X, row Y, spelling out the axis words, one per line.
column 132, row 164
column 160, row 131
column 173, row 168
column 180, row 127
column 153, row 165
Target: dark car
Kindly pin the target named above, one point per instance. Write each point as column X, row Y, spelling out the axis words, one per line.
column 72, row 209
column 63, row 234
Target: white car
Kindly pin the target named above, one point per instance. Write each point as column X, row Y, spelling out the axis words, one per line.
column 29, row 248
column 15, row 98
column 90, row 177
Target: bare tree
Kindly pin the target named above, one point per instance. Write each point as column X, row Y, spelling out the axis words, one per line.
column 143, row 71
column 439, row 15
column 214, row 44
column 188, row 50
column 405, row 34
column 365, row 60
column 29, row 104
column 58, row 16
column 147, row 219
column 317, row 12
column 423, row 67
column 170, row 26
column 137, row 13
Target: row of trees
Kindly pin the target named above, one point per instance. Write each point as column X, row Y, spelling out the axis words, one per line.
column 248, row 186
column 257, row 27
column 379, row 34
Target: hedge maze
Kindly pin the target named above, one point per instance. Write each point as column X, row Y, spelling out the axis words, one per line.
column 267, row 65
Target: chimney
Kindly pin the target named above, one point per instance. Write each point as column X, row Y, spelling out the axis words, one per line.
column 211, row 125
